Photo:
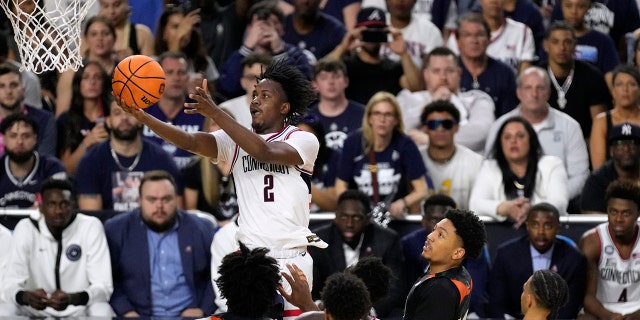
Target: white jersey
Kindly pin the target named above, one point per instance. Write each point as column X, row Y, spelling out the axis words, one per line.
column 456, row 177
column 420, row 37
column 618, row 277
column 273, row 199
column 84, row 262
column 512, row 43
column 223, row 243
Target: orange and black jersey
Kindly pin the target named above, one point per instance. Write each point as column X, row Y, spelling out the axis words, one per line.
column 443, row 296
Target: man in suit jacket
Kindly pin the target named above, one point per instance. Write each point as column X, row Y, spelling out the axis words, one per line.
column 517, row 259
column 160, row 256
column 352, row 236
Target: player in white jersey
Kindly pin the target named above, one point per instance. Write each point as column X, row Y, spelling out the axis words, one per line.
column 613, row 256
column 272, row 165
column 59, row 263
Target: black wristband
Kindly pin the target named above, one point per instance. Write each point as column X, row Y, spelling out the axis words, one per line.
column 79, row 298
column 20, row 298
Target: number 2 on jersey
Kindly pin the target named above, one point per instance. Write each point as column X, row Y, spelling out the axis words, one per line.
column 268, row 188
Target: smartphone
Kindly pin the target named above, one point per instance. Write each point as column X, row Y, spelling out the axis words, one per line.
column 374, row 35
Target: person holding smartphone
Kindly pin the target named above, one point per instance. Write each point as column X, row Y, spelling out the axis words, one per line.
column 368, row 70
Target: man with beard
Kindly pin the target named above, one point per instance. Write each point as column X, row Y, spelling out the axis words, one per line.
column 368, row 70
column 624, row 150
column 12, row 97
column 543, row 251
column 308, row 27
column 352, row 236
column 25, row 168
column 612, row 250
column 109, row 173
column 160, row 255
column 58, row 264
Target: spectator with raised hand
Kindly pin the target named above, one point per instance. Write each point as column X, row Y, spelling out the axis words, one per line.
column 179, row 32
column 133, row 38
column 370, row 71
column 82, row 126
column 263, row 35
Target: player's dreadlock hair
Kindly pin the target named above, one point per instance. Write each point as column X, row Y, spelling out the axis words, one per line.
column 549, row 290
column 375, row 275
column 295, row 86
column 249, row 280
column 345, row 297
column 470, row 229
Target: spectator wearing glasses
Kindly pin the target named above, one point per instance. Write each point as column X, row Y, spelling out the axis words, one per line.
column 559, row 134
column 451, row 166
column 442, row 75
column 383, row 162
column 624, row 150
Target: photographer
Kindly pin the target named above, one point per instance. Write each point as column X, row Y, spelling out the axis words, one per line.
column 368, row 70
column 264, row 36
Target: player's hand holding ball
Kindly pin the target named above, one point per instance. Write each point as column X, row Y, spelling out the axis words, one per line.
column 138, row 81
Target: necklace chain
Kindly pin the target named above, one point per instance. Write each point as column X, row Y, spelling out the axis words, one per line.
column 123, row 168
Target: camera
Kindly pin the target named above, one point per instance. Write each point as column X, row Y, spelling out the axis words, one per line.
column 374, row 35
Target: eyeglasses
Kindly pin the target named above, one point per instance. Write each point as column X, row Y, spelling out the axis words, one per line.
column 447, row 124
column 386, row 115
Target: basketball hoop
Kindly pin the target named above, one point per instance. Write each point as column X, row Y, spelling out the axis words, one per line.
column 48, row 37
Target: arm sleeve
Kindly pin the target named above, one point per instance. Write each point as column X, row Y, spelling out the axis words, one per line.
column 307, row 145
column 98, row 264
column 474, row 133
column 488, row 184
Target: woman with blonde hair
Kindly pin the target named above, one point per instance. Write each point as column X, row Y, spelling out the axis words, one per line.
column 380, row 160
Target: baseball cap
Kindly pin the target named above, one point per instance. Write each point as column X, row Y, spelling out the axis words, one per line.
column 371, row 17
column 624, row 131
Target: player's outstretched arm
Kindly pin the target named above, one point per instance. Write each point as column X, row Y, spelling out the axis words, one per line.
column 253, row 144
column 201, row 143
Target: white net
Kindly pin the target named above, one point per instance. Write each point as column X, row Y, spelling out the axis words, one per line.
column 48, row 36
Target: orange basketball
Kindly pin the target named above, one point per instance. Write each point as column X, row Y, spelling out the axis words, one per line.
column 138, row 80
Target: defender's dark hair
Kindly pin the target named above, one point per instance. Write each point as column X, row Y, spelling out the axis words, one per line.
column 621, row 189
column 249, row 280
column 12, row 119
column 550, row 290
column 535, row 152
column 345, row 297
column 544, row 207
column 440, row 106
column 375, row 275
column 470, row 228
column 157, row 175
column 353, row 194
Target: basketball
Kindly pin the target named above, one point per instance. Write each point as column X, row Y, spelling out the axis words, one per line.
column 138, row 80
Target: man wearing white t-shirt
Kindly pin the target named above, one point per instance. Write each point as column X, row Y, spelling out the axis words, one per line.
column 451, row 166
column 442, row 76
